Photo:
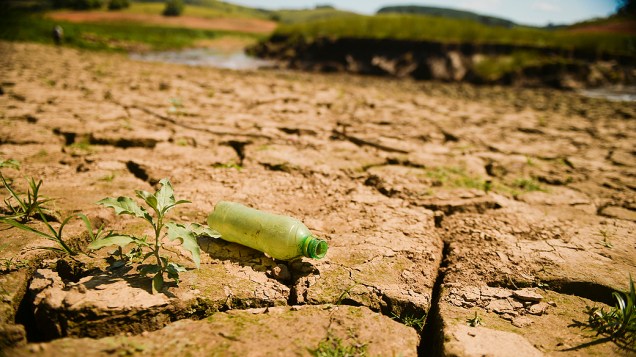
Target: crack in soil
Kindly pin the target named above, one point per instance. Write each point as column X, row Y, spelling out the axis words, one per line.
column 432, row 335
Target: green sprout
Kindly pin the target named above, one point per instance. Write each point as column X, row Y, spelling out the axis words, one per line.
column 475, row 321
column 334, row 347
column 15, row 164
column 411, row 321
column 618, row 324
column 160, row 202
column 606, row 235
column 27, row 205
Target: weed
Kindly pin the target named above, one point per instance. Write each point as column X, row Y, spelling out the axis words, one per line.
column 227, row 165
column 606, row 235
column 475, row 321
column 454, row 177
column 27, row 205
column 55, row 235
column 411, row 321
column 10, row 264
column 15, row 164
column 160, row 202
column 618, row 324
column 108, row 178
column 528, row 185
column 334, row 347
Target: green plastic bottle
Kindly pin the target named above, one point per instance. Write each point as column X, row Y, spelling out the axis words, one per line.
column 281, row 237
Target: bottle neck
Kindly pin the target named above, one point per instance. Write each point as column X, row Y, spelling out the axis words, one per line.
column 314, row 248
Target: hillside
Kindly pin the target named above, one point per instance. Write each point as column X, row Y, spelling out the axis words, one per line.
column 446, row 12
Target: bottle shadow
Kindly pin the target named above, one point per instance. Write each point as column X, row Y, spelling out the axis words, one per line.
column 247, row 257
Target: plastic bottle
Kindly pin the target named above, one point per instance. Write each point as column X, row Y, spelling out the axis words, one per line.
column 281, row 237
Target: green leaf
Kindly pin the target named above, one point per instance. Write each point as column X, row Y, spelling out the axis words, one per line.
column 188, row 240
column 125, row 205
column 201, row 230
column 149, row 269
column 173, row 270
column 27, row 228
column 165, row 196
column 10, row 163
column 157, row 283
column 149, row 198
column 121, row 240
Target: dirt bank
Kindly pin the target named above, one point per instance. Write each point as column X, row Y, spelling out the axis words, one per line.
column 440, row 203
column 451, row 62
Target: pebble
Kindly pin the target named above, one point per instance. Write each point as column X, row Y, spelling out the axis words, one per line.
column 538, row 309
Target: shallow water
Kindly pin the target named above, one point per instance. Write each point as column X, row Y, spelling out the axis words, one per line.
column 616, row 94
column 205, row 57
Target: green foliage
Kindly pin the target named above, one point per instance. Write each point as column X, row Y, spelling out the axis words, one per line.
column 334, row 347
column 495, row 67
column 474, row 321
column 114, row 36
column 430, row 28
column 10, row 163
column 118, row 4
column 78, row 4
column 302, row 16
column 528, row 185
column 618, row 323
column 446, row 12
column 10, row 264
column 56, row 235
column 173, row 8
column 455, row 177
column 26, row 205
column 160, row 203
column 411, row 321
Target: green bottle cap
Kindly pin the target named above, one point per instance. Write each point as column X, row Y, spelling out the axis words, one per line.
column 314, row 248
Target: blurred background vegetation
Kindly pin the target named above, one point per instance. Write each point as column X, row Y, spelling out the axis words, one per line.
column 33, row 20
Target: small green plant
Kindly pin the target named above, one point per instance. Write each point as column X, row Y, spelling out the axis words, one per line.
column 9, row 264
column 411, row 321
column 334, row 347
column 173, row 8
column 15, row 164
column 474, row 321
column 26, row 205
column 528, row 184
column 606, row 235
column 56, row 235
column 160, row 202
column 618, row 324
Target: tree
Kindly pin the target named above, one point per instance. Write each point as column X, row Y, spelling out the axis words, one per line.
column 627, row 8
column 118, row 4
column 173, row 8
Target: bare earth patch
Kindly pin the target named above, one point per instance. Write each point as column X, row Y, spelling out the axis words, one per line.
column 442, row 204
column 225, row 24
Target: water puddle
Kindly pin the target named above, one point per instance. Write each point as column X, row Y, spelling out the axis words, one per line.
column 205, row 57
column 615, row 94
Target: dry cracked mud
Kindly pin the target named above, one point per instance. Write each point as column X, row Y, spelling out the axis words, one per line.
column 440, row 203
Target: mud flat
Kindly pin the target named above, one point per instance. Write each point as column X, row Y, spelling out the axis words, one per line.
column 440, row 203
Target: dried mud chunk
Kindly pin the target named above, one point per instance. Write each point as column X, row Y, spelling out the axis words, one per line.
column 278, row 331
column 527, row 295
column 618, row 212
column 480, row 341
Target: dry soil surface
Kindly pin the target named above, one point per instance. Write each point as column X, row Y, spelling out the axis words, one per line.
column 440, row 203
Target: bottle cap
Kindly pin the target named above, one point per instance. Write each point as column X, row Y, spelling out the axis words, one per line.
column 314, row 248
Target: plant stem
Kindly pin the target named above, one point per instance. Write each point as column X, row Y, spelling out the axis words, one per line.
column 158, row 228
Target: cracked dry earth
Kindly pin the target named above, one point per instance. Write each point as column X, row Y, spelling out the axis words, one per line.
column 439, row 202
